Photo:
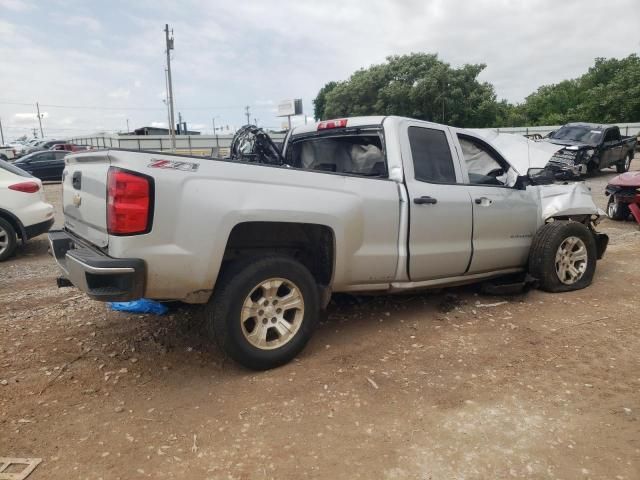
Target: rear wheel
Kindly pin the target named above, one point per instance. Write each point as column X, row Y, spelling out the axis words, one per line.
column 623, row 165
column 264, row 311
column 8, row 240
column 617, row 210
column 563, row 256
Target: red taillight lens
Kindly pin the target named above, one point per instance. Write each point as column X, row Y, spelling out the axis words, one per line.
column 128, row 203
column 26, row 187
column 332, row 124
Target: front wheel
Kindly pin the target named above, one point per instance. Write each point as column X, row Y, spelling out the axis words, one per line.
column 623, row 165
column 617, row 210
column 264, row 311
column 563, row 256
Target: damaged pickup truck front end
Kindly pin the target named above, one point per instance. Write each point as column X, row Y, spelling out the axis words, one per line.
column 567, row 200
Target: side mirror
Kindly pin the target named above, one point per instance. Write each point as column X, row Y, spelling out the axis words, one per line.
column 540, row 176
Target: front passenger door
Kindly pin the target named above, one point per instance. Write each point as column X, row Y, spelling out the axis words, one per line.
column 504, row 219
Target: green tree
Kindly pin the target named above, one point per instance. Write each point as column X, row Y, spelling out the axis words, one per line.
column 418, row 85
column 609, row 92
column 320, row 101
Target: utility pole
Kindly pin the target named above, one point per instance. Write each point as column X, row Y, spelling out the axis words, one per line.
column 127, row 125
column 1, row 133
column 248, row 114
column 169, row 44
column 215, row 132
column 180, row 123
column 35, row 132
column 39, row 120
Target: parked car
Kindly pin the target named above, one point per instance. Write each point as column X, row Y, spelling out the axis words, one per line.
column 624, row 196
column 70, row 147
column 24, row 213
column 591, row 147
column 46, row 165
column 19, row 148
column 365, row 204
column 7, row 153
column 43, row 145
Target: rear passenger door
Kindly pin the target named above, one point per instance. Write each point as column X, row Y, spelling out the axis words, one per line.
column 611, row 148
column 440, row 215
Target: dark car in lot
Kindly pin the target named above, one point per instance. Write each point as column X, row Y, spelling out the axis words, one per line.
column 590, row 147
column 46, row 165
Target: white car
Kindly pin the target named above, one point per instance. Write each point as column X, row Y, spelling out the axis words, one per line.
column 24, row 214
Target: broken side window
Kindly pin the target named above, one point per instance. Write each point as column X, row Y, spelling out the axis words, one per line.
column 347, row 154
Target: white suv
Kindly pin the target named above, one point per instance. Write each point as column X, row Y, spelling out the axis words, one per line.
column 23, row 212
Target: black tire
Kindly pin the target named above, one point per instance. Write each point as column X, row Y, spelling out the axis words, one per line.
column 617, row 210
column 4, row 157
column 545, row 246
column 624, row 164
column 8, row 235
column 235, row 285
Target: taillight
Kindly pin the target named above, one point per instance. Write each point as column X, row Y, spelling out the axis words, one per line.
column 332, row 124
column 129, row 203
column 26, row 187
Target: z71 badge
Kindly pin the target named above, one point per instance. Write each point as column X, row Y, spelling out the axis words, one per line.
column 174, row 164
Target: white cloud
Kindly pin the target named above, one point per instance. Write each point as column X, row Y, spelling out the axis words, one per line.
column 83, row 21
column 159, row 124
column 16, row 5
column 28, row 118
column 120, row 93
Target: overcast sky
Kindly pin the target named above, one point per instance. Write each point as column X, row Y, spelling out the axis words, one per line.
column 93, row 65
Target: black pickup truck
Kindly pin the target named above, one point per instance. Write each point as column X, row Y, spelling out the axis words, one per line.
column 590, row 147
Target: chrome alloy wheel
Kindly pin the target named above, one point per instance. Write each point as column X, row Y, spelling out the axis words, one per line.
column 4, row 240
column 571, row 260
column 272, row 313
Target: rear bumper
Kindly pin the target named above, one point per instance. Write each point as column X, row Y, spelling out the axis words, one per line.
column 98, row 275
column 38, row 229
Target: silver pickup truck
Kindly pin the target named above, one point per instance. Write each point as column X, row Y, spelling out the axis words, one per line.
column 365, row 204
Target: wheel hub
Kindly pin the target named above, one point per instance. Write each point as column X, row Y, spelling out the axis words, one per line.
column 571, row 260
column 272, row 313
column 4, row 240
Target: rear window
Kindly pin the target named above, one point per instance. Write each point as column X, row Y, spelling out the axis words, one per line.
column 7, row 167
column 347, row 154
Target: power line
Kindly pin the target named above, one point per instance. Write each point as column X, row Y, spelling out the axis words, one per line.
column 98, row 107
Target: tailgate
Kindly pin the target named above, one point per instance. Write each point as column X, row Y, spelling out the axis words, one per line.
column 84, row 196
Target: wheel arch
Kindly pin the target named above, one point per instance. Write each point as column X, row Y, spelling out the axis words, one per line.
column 313, row 245
column 15, row 223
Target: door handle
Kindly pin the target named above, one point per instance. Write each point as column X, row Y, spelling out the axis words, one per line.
column 426, row 200
column 483, row 201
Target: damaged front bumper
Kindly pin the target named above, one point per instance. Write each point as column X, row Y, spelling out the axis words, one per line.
column 98, row 275
column 567, row 171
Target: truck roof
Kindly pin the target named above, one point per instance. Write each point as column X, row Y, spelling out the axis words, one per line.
column 351, row 122
column 594, row 126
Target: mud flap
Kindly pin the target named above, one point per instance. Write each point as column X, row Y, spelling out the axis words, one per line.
column 602, row 240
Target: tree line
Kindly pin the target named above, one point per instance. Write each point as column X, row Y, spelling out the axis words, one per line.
column 422, row 86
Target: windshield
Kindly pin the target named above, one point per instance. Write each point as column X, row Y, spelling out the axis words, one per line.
column 578, row 134
column 26, row 158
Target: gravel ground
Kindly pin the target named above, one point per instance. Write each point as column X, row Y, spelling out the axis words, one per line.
column 441, row 385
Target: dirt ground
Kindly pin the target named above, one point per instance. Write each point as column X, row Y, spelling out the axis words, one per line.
column 442, row 385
